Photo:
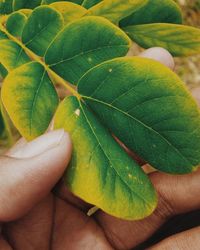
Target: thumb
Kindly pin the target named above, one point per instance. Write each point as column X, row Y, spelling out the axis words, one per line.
column 30, row 170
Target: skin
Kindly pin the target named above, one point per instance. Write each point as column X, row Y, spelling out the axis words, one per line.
column 38, row 212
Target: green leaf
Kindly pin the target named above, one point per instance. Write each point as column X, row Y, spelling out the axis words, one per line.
column 53, row 1
column 180, row 40
column 2, row 126
column 30, row 99
column 5, row 128
column 101, row 172
column 6, row 6
column 3, row 72
column 148, row 108
column 155, row 11
column 26, row 12
column 12, row 55
column 25, row 4
column 70, row 11
column 42, row 26
column 17, row 20
column 89, row 3
column 116, row 10
column 2, row 35
column 81, row 46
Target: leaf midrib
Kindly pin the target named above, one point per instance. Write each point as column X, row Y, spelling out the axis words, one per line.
column 35, row 99
column 86, row 52
column 140, row 122
column 38, row 59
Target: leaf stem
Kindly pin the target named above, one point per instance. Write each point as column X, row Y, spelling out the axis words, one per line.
column 92, row 211
column 36, row 58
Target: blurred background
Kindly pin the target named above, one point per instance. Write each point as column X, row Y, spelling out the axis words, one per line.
column 189, row 68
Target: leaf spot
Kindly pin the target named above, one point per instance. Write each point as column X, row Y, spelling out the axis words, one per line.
column 110, row 70
column 130, row 176
column 77, row 112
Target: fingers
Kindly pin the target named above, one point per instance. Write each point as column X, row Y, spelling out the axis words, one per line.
column 187, row 240
column 161, row 55
column 177, row 194
column 4, row 245
column 74, row 230
column 29, row 172
column 64, row 194
column 34, row 230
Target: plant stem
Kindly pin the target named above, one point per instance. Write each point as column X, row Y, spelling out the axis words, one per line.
column 92, row 211
column 36, row 58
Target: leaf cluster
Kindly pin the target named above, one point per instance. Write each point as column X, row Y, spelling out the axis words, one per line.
column 82, row 45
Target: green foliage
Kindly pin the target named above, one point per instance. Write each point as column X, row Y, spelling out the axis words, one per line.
column 99, row 164
column 2, row 125
column 18, row 20
column 146, row 106
column 41, row 28
column 180, row 40
column 69, row 11
column 71, row 58
column 156, row 11
column 32, row 99
column 80, row 44
column 89, row 3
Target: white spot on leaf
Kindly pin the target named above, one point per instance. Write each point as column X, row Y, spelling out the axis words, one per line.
column 129, row 176
column 77, row 112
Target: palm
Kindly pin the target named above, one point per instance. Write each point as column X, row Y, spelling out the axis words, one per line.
column 60, row 222
column 55, row 224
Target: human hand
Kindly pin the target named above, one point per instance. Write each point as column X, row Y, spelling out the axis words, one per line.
column 33, row 217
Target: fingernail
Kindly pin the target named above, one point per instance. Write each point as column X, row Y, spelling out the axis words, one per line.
column 41, row 144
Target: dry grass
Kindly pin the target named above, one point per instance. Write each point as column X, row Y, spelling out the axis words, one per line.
column 189, row 68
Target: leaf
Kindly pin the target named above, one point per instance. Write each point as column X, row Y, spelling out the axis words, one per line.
column 69, row 11
column 115, row 10
column 155, row 11
column 148, row 108
column 3, row 72
column 180, row 40
column 2, row 35
column 53, row 1
column 5, row 128
column 89, row 3
column 42, row 26
column 17, row 20
column 100, row 172
column 25, row 4
column 2, row 126
column 26, row 12
column 81, row 46
column 12, row 55
column 6, row 6
column 30, row 99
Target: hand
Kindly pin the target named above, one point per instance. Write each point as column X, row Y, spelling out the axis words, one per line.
column 34, row 217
